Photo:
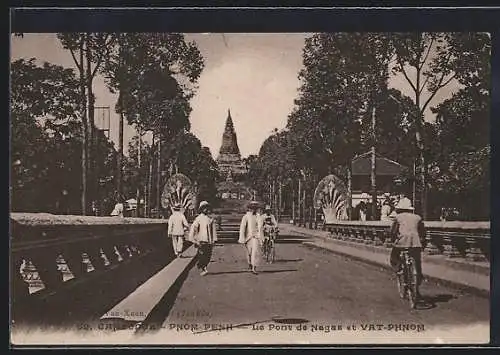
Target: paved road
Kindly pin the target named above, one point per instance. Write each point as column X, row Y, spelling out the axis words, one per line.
column 316, row 286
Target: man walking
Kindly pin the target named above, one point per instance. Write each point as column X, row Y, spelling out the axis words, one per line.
column 251, row 235
column 203, row 235
column 177, row 227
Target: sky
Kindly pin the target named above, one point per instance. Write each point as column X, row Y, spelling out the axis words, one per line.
column 253, row 75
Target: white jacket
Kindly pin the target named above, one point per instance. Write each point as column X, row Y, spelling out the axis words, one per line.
column 203, row 229
column 177, row 223
column 250, row 227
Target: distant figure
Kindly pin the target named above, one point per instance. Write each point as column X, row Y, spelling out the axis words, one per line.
column 203, row 234
column 363, row 207
column 118, row 209
column 386, row 209
column 251, row 235
column 177, row 227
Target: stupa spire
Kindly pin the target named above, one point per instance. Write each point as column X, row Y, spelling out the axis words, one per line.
column 229, row 140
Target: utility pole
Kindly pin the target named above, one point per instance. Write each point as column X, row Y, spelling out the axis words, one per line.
column 373, row 165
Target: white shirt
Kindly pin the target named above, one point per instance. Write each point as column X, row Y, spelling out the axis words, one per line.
column 177, row 223
column 250, row 227
column 385, row 211
column 203, row 229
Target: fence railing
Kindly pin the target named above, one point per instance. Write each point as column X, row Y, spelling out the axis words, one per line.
column 47, row 251
column 469, row 240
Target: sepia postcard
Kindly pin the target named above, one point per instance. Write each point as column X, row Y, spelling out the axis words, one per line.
column 250, row 188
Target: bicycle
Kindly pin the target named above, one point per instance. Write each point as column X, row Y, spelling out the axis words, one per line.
column 268, row 247
column 408, row 279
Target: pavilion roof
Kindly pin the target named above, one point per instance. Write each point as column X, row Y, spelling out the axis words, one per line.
column 361, row 165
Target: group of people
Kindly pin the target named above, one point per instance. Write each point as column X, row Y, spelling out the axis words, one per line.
column 385, row 210
column 254, row 229
column 202, row 233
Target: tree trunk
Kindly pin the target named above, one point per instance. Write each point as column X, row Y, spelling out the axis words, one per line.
column 304, row 207
column 373, row 173
column 420, row 205
column 349, row 192
column 293, row 201
column 280, row 203
column 84, row 163
column 119, row 182
column 138, row 192
column 299, row 194
column 91, row 122
column 150, row 181
column 158, row 179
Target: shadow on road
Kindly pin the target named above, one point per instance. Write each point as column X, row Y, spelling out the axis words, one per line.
column 275, row 271
column 431, row 301
column 248, row 272
column 287, row 260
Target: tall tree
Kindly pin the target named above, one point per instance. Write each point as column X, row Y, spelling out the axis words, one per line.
column 88, row 51
column 47, row 138
column 430, row 62
column 155, row 75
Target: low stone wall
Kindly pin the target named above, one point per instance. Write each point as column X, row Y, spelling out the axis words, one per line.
column 458, row 239
column 48, row 250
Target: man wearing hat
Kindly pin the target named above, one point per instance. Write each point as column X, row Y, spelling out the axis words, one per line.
column 177, row 227
column 203, row 235
column 251, row 235
column 408, row 232
column 269, row 223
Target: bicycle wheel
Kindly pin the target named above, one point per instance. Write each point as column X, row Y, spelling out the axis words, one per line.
column 401, row 285
column 412, row 283
column 266, row 249
column 270, row 255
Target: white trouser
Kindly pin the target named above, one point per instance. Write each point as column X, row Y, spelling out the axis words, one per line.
column 178, row 243
column 252, row 247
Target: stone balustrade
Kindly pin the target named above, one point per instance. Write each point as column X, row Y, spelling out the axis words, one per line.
column 454, row 239
column 48, row 251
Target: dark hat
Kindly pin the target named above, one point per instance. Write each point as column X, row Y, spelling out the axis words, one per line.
column 253, row 205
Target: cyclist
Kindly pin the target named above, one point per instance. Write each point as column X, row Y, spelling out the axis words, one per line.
column 269, row 224
column 408, row 232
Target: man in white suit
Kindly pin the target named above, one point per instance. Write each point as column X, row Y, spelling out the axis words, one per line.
column 251, row 235
column 177, row 227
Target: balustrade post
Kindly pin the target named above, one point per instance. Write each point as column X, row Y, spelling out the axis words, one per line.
column 473, row 252
column 74, row 261
column 450, row 249
column 20, row 288
column 431, row 248
column 378, row 237
column 96, row 257
column 387, row 239
column 46, row 265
